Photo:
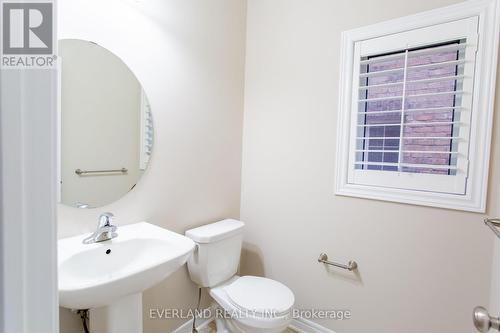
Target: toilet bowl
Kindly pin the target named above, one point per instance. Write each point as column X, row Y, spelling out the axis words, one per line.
column 245, row 304
column 255, row 304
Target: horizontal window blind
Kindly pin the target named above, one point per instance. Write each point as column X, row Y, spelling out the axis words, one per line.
column 410, row 110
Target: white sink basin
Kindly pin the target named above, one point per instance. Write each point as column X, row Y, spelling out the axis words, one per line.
column 96, row 275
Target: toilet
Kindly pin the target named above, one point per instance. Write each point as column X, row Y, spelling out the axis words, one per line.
column 245, row 304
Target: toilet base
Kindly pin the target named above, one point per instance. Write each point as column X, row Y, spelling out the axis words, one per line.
column 226, row 325
column 221, row 326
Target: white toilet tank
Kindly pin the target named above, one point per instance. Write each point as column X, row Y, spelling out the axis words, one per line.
column 217, row 254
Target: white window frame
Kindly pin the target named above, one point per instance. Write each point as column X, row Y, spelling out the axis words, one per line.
column 487, row 12
column 431, row 35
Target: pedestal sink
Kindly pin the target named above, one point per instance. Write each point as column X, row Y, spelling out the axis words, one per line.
column 109, row 277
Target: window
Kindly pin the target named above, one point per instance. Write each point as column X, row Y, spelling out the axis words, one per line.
column 416, row 108
column 409, row 112
column 146, row 146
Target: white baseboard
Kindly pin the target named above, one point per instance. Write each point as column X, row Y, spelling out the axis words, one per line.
column 187, row 326
column 301, row 325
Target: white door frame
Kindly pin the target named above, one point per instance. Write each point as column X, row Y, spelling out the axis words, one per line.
column 28, row 243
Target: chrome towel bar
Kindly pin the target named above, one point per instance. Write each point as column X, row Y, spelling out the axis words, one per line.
column 493, row 224
column 351, row 265
column 80, row 172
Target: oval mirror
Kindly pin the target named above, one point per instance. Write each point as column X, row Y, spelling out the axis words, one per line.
column 106, row 126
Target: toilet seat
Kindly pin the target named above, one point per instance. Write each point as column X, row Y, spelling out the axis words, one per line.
column 264, row 297
column 255, row 301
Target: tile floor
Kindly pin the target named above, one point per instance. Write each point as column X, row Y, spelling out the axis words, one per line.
column 211, row 329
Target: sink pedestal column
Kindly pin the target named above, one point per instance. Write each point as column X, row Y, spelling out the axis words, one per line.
column 123, row 316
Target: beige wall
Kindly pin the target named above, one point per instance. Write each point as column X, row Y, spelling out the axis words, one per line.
column 189, row 57
column 420, row 269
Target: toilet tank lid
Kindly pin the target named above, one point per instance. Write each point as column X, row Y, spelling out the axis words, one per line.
column 214, row 232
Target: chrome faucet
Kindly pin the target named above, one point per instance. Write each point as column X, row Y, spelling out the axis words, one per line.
column 105, row 230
